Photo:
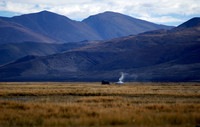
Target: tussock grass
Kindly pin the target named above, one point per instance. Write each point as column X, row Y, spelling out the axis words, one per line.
column 42, row 104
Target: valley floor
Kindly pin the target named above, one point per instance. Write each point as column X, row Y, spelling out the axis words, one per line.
column 61, row 104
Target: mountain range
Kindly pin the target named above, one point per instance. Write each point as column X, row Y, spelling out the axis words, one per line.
column 44, row 33
column 50, row 27
column 159, row 55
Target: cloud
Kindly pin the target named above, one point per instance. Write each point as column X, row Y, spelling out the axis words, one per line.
column 162, row 19
column 161, row 11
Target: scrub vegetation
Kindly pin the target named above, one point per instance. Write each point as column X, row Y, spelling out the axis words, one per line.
column 61, row 104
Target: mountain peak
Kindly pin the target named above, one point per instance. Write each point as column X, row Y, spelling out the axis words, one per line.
column 108, row 14
column 41, row 13
column 46, row 12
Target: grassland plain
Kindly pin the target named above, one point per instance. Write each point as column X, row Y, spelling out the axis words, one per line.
column 74, row 104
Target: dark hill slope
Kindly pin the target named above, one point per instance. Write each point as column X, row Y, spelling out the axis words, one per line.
column 157, row 56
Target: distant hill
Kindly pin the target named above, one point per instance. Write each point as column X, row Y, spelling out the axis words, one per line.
column 53, row 28
column 171, row 55
column 111, row 25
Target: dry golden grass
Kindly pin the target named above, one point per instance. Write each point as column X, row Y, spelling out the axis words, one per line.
column 61, row 104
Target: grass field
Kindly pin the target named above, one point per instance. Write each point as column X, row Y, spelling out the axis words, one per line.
column 63, row 104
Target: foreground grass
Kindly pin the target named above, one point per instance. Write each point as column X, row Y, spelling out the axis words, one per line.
column 56, row 104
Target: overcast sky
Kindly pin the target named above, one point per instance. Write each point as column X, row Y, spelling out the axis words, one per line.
column 169, row 12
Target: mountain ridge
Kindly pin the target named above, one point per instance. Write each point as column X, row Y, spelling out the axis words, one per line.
column 57, row 28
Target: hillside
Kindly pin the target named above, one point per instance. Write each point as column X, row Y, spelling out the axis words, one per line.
column 56, row 27
column 14, row 32
column 13, row 51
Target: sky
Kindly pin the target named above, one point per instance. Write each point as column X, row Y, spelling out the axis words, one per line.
column 168, row 12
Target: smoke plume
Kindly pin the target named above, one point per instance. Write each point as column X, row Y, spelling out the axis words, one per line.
column 121, row 79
